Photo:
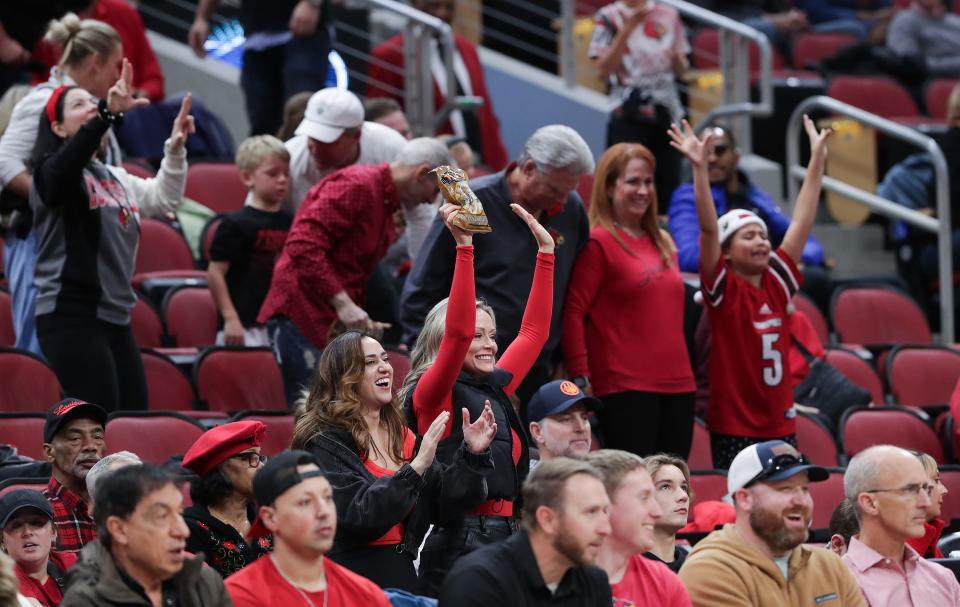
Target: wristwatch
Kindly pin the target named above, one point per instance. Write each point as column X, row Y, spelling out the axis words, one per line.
column 581, row 381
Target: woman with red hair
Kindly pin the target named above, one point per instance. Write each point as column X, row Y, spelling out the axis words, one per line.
column 623, row 317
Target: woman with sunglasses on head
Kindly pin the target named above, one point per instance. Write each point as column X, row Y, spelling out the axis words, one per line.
column 225, row 458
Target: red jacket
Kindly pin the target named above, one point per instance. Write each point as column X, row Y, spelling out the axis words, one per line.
column 926, row 546
column 386, row 80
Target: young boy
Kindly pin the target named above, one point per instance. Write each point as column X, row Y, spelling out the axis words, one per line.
column 248, row 242
column 748, row 290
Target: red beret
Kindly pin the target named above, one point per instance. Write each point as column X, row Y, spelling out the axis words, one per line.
column 217, row 444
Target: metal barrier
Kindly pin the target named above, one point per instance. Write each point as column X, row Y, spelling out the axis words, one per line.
column 939, row 225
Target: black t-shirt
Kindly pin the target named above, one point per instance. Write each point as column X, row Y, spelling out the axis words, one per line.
column 251, row 241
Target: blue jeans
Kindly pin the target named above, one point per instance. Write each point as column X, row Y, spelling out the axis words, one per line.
column 19, row 261
column 295, row 354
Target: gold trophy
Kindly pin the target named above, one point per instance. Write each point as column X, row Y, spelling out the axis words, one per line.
column 453, row 184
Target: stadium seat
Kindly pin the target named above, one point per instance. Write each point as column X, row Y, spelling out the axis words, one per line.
column 826, row 496
column 234, row 379
column 8, row 337
column 857, row 370
column 875, row 315
column 29, row 385
column 146, row 325
column 217, row 186
column 706, row 51
column 24, row 431
column 861, row 427
column 950, row 477
column 400, row 361
column 813, row 47
column 138, row 170
column 814, row 315
column 12, row 484
column 707, row 485
column 875, row 94
column 701, row 456
column 279, row 429
column 163, row 253
column 168, row 388
column 191, row 316
column 920, row 376
column 154, row 436
column 206, row 237
column 937, row 95
column 816, row 441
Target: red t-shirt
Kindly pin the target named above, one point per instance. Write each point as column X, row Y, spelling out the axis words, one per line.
column 648, row 582
column 623, row 318
column 48, row 594
column 395, row 535
column 261, row 585
column 751, row 390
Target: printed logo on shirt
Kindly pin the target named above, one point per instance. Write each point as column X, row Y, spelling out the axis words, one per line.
column 270, row 241
column 767, row 324
column 654, row 29
column 765, row 309
column 823, row 598
column 106, row 192
column 623, row 603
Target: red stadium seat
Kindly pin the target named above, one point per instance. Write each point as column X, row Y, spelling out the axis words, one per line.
column 816, row 441
column 813, row 48
column 28, row 385
column 12, row 484
column 146, row 325
column 814, row 315
column 706, row 51
column 138, row 170
column 400, row 361
column 217, row 186
column 826, row 496
column 206, row 237
column 857, row 370
column 950, row 477
column 919, row 376
column 701, row 456
column 937, row 95
column 279, row 429
column 154, row 436
column 862, row 427
column 191, row 316
column 168, row 388
column 8, row 337
column 875, row 94
column 234, row 379
column 163, row 253
column 24, row 431
column 707, row 485
column 870, row 315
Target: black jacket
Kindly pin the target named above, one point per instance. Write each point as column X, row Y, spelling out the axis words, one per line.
column 367, row 507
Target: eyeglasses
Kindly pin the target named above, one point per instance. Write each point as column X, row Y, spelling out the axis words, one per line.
column 253, row 458
column 913, row 489
column 720, row 150
column 778, row 464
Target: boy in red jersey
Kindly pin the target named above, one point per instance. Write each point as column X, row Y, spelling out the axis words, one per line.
column 748, row 289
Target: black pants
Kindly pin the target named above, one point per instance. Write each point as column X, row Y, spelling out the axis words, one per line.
column 648, row 422
column 725, row 447
column 652, row 134
column 446, row 544
column 385, row 566
column 94, row 360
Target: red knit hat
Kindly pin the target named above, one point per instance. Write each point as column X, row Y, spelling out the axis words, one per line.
column 216, row 445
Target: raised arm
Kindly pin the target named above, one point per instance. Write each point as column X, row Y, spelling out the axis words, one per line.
column 696, row 150
column 805, row 209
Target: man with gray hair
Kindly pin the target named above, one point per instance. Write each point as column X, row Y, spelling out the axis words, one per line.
column 343, row 228
column 105, row 465
column 890, row 493
column 543, row 180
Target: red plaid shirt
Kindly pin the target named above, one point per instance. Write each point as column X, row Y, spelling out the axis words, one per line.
column 75, row 527
column 343, row 228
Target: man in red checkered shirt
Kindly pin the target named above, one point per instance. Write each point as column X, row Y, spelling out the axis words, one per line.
column 342, row 229
column 72, row 443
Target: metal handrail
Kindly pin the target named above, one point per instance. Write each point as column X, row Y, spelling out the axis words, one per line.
column 939, row 225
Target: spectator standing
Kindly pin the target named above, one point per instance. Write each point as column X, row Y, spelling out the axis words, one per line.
column 285, row 52
column 387, row 485
column 29, row 537
column 543, row 181
column 635, row 359
column 641, row 48
column 748, row 290
column 762, row 558
column 928, row 32
column 139, row 558
column 552, row 560
column 72, row 443
column 388, row 112
column 926, row 546
column 889, row 490
column 671, row 482
column 249, row 241
column 559, row 421
column 296, row 505
column 226, row 458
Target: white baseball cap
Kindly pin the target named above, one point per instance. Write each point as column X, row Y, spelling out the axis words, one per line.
column 773, row 460
column 731, row 221
column 330, row 112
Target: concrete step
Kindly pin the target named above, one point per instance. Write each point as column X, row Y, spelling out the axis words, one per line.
column 856, row 251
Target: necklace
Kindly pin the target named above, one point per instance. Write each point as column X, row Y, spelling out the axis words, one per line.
column 306, row 598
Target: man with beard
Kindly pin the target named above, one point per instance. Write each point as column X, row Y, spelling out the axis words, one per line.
column 559, row 422
column 551, row 560
column 72, row 443
column 762, row 559
column 890, row 492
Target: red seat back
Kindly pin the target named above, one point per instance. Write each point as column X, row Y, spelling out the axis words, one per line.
column 863, row 427
column 815, row 441
column 857, row 370
column 28, row 384
column 921, row 376
column 23, row 431
column 8, row 337
column 950, row 477
column 877, row 315
column 826, row 496
column 138, row 170
column 706, row 51
column 875, row 94
column 813, row 47
column 217, row 186
column 162, row 248
column 236, row 379
column 279, row 430
column 937, row 95
column 155, row 437
column 34, row 484
column 168, row 388
column 707, row 485
column 206, row 237
column 191, row 316
column 814, row 315
column 146, row 325
column 701, row 456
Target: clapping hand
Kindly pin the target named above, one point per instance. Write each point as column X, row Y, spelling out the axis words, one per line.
column 478, row 435
column 687, row 143
column 183, row 124
column 120, row 96
column 544, row 239
column 428, row 444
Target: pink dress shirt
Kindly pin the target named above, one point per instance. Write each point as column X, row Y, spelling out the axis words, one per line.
column 919, row 583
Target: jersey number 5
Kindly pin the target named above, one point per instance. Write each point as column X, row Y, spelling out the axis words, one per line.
column 772, row 360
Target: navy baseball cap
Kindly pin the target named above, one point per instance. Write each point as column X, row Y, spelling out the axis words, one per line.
column 18, row 499
column 276, row 477
column 67, row 409
column 773, row 460
column 556, row 397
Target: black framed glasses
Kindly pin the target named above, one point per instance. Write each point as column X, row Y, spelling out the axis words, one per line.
column 913, row 489
column 777, row 464
column 252, row 458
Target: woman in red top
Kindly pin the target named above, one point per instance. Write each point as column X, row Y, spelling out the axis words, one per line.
column 623, row 317
column 454, row 365
column 926, row 545
column 387, row 486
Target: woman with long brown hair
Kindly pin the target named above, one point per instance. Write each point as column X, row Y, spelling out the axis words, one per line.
column 623, row 317
column 387, row 486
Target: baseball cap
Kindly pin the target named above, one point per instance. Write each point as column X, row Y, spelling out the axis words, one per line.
column 276, row 477
column 67, row 409
column 556, row 397
column 731, row 221
column 773, row 460
column 19, row 499
column 329, row 112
